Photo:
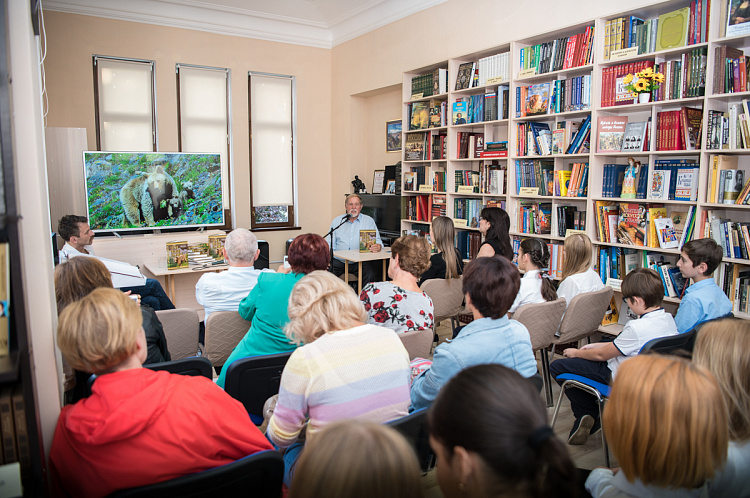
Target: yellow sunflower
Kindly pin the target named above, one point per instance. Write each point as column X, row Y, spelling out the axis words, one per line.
column 642, row 85
column 646, row 72
column 627, row 79
column 659, row 78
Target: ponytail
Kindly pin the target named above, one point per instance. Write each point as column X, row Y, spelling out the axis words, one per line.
column 539, row 254
column 555, row 472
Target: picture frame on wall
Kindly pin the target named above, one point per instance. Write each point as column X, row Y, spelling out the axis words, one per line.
column 390, row 187
column 378, row 181
column 737, row 23
column 393, row 136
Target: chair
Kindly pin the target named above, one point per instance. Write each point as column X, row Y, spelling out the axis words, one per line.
column 259, row 475
column 447, row 297
column 224, row 330
column 414, row 428
column 181, row 328
column 195, row 366
column 417, row 342
column 584, row 315
column 542, row 321
column 673, row 344
column 253, row 380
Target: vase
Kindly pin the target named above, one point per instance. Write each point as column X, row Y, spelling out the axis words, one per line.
column 644, row 98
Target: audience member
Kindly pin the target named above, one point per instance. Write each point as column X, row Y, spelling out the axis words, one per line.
column 266, row 305
column 446, row 262
column 345, row 369
column 577, row 275
column 78, row 236
column 489, row 284
column 346, row 238
column 703, row 300
column 536, row 283
column 489, row 429
column 139, row 426
column 224, row 291
column 494, row 224
column 666, row 425
column 356, row 458
column 643, row 291
column 77, row 278
column 400, row 304
column 722, row 347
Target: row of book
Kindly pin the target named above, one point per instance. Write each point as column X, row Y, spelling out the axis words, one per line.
column 416, row 208
column 684, row 78
column 730, row 70
column 418, row 146
column 679, row 129
column 572, row 94
column 492, row 178
column 439, row 205
column 427, row 114
column 535, row 174
column 556, row 256
column 439, row 181
column 467, row 178
column 669, row 179
column 562, row 53
column 613, row 89
column 726, row 181
column 729, row 129
column 414, row 178
column 469, row 144
column 468, row 243
column 469, row 210
column 734, row 280
column 433, row 83
column 486, row 71
column 617, row 134
column 535, row 217
column 489, row 106
column 569, row 218
column 569, row 137
column 636, row 224
column 733, row 237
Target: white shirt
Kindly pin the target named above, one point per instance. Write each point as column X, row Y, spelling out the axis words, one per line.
column 588, row 281
column 224, row 291
column 346, row 237
column 734, row 478
column 637, row 333
column 530, row 290
column 69, row 251
column 123, row 274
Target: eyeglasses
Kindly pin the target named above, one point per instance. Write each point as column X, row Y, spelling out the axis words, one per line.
column 480, row 218
column 626, row 299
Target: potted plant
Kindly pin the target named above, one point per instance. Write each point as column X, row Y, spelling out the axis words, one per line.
column 643, row 83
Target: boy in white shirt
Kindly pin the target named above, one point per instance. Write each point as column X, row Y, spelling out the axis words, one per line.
column 642, row 289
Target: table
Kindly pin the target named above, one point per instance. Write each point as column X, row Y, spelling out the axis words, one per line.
column 360, row 257
column 161, row 271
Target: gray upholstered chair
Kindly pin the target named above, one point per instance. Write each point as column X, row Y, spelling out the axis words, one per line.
column 542, row 320
column 417, row 342
column 181, row 327
column 447, row 297
column 584, row 315
column 224, row 330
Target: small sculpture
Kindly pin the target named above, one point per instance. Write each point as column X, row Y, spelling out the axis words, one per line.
column 359, row 185
column 629, row 186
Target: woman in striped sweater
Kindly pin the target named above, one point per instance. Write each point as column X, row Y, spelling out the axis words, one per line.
column 346, row 368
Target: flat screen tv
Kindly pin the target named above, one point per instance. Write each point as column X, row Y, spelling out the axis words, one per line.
column 141, row 190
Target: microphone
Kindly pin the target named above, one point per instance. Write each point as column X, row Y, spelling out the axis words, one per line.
column 347, row 216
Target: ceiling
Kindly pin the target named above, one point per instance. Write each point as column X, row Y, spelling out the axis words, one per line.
column 317, row 23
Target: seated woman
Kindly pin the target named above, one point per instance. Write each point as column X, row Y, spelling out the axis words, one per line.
column 489, row 430
column 536, row 284
column 345, row 369
column 722, row 347
column 358, row 458
column 489, row 286
column 139, row 426
column 666, row 425
column 266, row 305
column 75, row 279
column 400, row 304
column 494, row 224
column 445, row 263
column 578, row 276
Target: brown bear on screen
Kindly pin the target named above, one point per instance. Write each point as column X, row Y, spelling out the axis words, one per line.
column 144, row 195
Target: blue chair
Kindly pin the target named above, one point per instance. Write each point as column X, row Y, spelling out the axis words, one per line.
column 253, row 380
column 196, row 366
column 259, row 475
column 414, row 428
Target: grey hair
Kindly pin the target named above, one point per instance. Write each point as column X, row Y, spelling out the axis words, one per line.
column 241, row 245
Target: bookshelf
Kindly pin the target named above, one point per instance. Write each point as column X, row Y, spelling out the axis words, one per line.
column 591, row 76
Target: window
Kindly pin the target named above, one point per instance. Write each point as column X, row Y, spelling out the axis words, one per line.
column 204, row 120
column 124, row 104
column 273, row 172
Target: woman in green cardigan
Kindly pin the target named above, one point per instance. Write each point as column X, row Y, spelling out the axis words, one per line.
column 266, row 305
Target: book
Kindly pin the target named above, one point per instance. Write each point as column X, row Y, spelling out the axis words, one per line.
column 460, row 112
column 665, row 233
column 215, row 246
column 733, row 182
column 415, row 147
column 686, row 186
column 673, row 29
column 177, row 255
column 631, row 228
column 611, row 131
column 611, row 315
column 537, row 99
column 367, row 238
column 634, row 138
column 678, row 281
column 658, row 184
column 653, row 212
column 410, row 181
column 463, row 78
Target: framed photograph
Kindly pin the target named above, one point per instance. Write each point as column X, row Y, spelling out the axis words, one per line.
column 393, row 136
column 738, row 20
column 391, row 187
column 378, row 181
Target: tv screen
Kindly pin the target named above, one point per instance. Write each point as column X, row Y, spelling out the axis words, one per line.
column 137, row 190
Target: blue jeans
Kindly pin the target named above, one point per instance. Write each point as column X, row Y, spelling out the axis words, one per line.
column 581, row 402
column 152, row 294
column 291, row 455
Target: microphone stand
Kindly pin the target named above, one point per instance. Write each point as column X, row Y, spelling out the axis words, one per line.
column 330, row 232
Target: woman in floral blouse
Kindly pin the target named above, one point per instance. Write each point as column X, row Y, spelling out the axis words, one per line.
column 400, row 304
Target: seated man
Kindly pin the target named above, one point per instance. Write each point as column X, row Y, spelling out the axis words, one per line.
column 139, row 426
column 224, row 291
column 346, row 238
column 78, row 236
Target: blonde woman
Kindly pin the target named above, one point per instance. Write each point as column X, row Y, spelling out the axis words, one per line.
column 139, row 426
column 445, row 263
column 358, row 458
column 345, row 369
column 578, row 276
column 667, row 426
column 722, row 347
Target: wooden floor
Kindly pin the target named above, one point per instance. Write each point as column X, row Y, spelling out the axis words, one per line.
column 586, row 456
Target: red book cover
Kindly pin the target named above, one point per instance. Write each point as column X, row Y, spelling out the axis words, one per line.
column 631, row 229
column 569, row 52
column 699, row 17
column 578, row 50
column 743, row 74
column 691, row 22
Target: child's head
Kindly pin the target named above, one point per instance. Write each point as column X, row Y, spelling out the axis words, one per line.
column 722, row 347
column 697, row 252
column 491, row 284
column 491, row 412
column 577, row 254
column 534, row 255
column 357, row 458
column 643, row 283
column 666, row 422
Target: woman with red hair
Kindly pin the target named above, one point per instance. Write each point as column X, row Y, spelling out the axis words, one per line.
column 266, row 305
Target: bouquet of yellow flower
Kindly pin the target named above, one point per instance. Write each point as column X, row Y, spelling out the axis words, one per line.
column 644, row 81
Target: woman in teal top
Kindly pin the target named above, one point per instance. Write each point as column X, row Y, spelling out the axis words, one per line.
column 266, row 305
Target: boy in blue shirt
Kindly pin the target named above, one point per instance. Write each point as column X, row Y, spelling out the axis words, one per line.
column 703, row 300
